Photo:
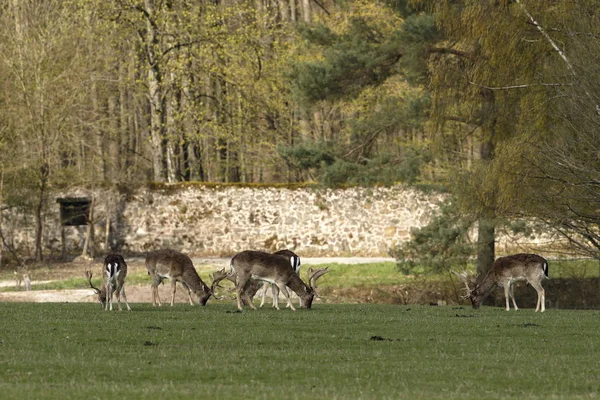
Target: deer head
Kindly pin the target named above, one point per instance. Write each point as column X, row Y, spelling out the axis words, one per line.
column 471, row 294
column 101, row 293
column 313, row 275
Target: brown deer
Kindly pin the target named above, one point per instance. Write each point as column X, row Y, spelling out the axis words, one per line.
column 271, row 268
column 254, row 285
column 178, row 267
column 294, row 261
column 504, row 272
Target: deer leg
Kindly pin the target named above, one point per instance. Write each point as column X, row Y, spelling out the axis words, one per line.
column 239, row 286
column 174, row 287
column 512, row 297
column 292, row 295
column 124, row 298
column 284, row 290
column 118, row 293
column 264, row 294
column 541, row 303
column 156, row 281
column 507, row 295
column 109, row 295
column 189, row 293
column 275, row 292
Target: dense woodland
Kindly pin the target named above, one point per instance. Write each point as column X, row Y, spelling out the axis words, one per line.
column 494, row 101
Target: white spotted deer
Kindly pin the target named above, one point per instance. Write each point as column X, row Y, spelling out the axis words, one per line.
column 178, row 267
column 504, row 272
column 274, row 269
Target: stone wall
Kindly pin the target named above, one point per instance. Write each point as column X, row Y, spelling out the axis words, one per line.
column 222, row 220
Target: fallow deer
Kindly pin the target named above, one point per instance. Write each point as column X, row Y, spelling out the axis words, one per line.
column 115, row 269
column 294, row 264
column 271, row 268
column 178, row 267
column 504, row 272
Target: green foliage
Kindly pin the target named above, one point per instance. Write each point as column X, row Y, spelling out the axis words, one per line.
column 359, row 57
column 418, row 34
column 363, row 351
column 327, row 166
column 440, row 245
column 384, row 169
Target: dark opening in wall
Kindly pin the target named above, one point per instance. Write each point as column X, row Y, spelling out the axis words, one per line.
column 74, row 211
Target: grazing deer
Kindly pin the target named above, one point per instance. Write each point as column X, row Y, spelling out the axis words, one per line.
column 178, row 267
column 271, row 268
column 294, row 264
column 504, row 272
column 115, row 268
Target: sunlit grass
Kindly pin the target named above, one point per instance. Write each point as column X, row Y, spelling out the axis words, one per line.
column 68, row 351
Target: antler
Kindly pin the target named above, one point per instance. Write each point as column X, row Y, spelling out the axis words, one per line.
column 88, row 275
column 463, row 277
column 217, row 277
column 313, row 275
column 100, row 292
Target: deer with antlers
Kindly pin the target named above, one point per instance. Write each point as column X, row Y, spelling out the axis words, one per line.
column 272, row 268
column 178, row 267
column 504, row 272
column 115, row 269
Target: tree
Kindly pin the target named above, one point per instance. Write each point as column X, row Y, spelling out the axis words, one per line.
column 550, row 172
column 45, row 81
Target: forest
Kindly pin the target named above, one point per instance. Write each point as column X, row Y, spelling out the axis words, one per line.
column 495, row 102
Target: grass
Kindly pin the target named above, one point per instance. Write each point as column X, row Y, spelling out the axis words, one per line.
column 73, row 351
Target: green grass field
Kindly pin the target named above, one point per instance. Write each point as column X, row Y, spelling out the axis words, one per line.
column 75, row 351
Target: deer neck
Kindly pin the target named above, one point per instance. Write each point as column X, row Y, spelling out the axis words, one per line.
column 299, row 287
column 485, row 286
column 195, row 283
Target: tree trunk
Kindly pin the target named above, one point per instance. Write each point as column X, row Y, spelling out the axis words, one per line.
column 486, row 235
column 156, row 97
column 44, row 172
column 293, row 16
column 306, row 11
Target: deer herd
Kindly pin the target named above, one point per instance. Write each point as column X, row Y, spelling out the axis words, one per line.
column 251, row 270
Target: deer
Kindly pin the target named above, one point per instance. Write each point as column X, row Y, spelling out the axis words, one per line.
column 294, row 260
column 254, row 285
column 271, row 268
column 504, row 272
column 115, row 269
column 178, row 267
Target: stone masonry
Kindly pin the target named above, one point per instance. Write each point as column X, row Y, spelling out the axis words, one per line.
column 222, row 220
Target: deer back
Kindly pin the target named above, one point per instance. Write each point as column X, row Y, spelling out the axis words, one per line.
column 167, row 263
column 262, row 265
column 115, row 267
column 293, row 258
column 520, row 266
